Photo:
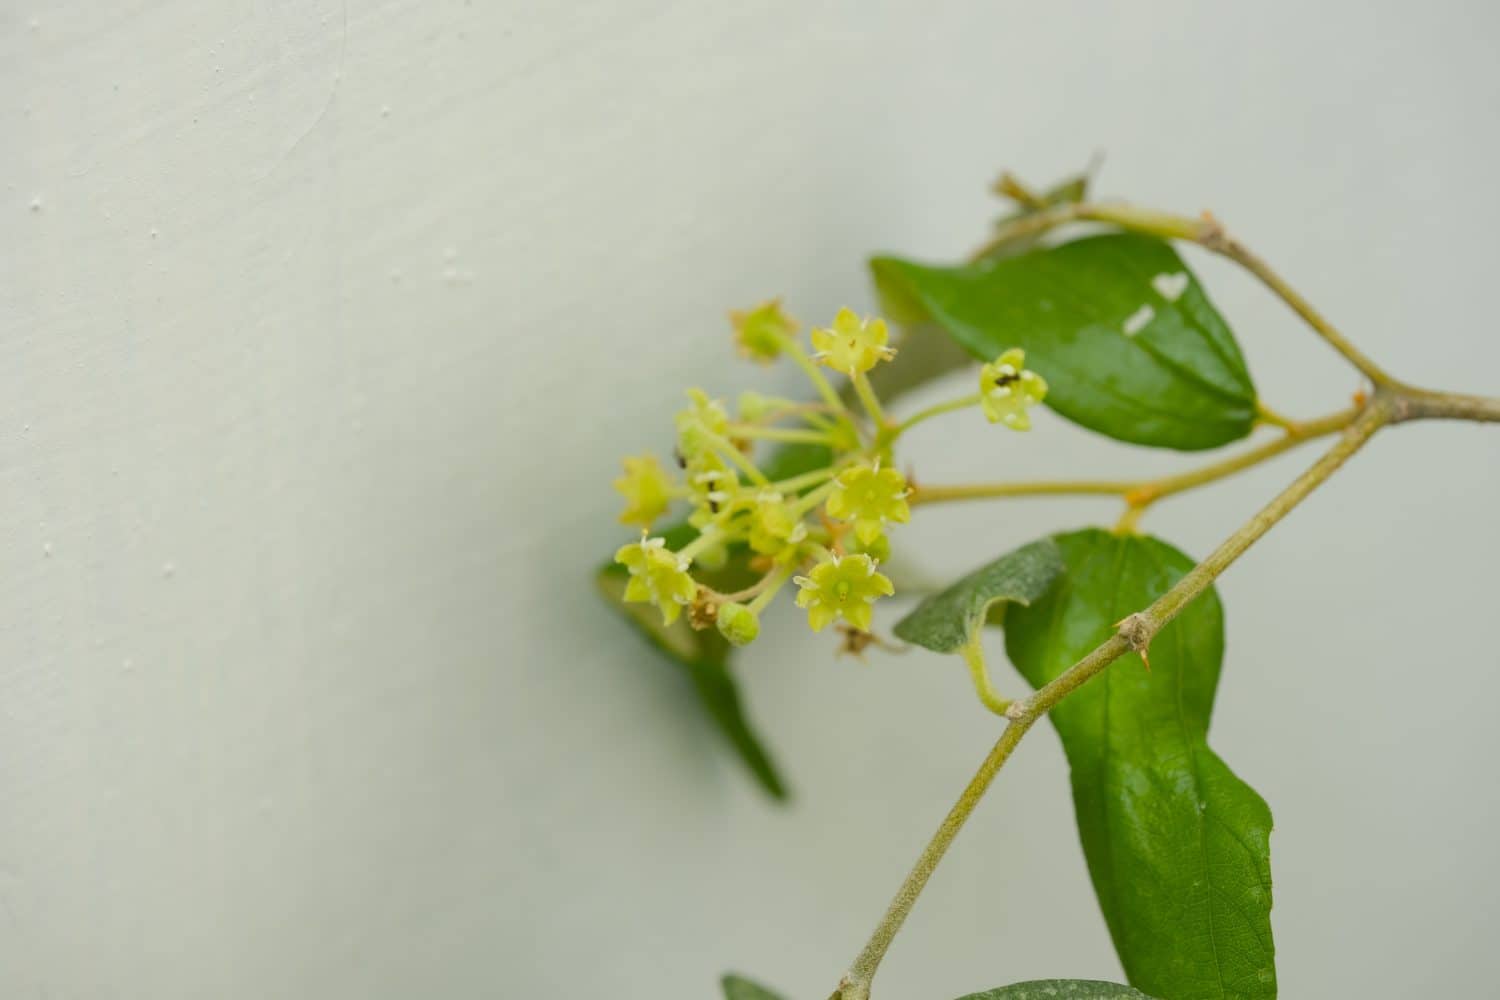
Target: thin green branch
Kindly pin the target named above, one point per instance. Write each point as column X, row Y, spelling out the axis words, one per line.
column 925, row 494
column 727, row 449
column 979, row 671
column 1140, row 493
column 1298, row 433
column 856, row 983
column 775, row 580
column 961, row 403
column 791, row 435
column 811, row 500
column 793, row 484
column 1213, row 237
column 810, row 368
column 869, row 400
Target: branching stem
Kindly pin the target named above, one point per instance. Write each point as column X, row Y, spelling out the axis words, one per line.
column 1140, row 493
column 1390, row 403
column 810, row 368
column 937, row 410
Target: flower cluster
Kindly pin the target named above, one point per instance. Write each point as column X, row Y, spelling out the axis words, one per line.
column 820, row 525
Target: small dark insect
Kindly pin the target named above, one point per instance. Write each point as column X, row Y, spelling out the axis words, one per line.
column 1001, row 381
column 713, row 505
column 680, row 457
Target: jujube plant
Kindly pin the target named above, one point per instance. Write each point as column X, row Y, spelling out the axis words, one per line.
column 1113, row 332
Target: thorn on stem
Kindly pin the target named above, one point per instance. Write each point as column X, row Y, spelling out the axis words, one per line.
column 1137, row 631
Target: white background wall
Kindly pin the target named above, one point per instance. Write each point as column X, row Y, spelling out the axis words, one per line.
column 321, row 330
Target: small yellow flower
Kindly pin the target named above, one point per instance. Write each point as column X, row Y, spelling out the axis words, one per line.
column 762, row 331
column 657, row 576
column 774, row 529
column 712, row 485
column 1007, row 390
column 870, row 496
column 647, row 490
column 704, row 415
column 842, row 587
column 852, row 345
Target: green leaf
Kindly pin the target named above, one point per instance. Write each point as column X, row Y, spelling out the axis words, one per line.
column 1170, row 377
column 736, row 988
column 1178, row 847
column 1060, row 989
column 949, row 618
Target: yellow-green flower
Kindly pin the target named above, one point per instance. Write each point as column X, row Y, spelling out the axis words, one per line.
column 647, row 490
column 712, row 485
column 774, row 529
column 704, row 415
column 870, row 496
column 657, row 576
column 1007, row 390
column 761, row 332
column 842, row 587
column 852, row 345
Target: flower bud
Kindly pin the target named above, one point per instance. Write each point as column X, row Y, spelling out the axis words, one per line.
column 761, row 332
column 878, row 548
column 738, row 624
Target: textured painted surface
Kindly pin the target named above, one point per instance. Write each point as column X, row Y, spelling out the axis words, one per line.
column 302, row 688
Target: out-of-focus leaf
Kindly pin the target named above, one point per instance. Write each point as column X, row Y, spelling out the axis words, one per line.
column 704, row 656
column 1178, row 847
column 737, row 988
column 1126, row 338
column 948, row 619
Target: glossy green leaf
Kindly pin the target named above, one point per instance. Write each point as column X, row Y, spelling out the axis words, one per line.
column 949, row 618
column 1178, row 847
column 736, row 988
column 1060, row 989
column 1125, row 336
